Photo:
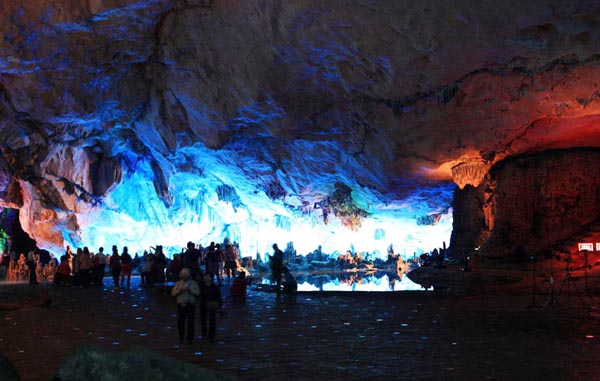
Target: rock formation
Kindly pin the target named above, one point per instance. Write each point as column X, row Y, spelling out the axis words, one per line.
column 536, row 202
column 343, row 123
column 100, row 364
column 7, row 370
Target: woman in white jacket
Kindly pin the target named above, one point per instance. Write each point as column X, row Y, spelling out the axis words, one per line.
column 186, row 290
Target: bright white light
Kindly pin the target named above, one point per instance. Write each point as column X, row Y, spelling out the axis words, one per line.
column 368, row 283
column 133, row 215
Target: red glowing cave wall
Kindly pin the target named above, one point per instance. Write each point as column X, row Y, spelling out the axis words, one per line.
column 544, row 201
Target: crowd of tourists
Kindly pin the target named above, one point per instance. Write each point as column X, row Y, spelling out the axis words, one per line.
column 194, row 276
column 82, row 267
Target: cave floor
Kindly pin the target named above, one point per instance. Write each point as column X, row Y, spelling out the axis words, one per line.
column 434, row 335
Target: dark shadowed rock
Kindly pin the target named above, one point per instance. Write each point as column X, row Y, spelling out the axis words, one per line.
column 7, row 370
column 94, row 364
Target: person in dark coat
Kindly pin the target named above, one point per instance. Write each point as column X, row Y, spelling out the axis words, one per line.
column 160, row 265
column 31, row 265
column 191, row 261
column 276, row 263
column 210, row 303
column 115, row 266
column 126, row 261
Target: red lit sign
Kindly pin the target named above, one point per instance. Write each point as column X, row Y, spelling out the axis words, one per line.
column 589, row 246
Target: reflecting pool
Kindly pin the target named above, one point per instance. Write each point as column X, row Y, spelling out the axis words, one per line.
column 352, row 281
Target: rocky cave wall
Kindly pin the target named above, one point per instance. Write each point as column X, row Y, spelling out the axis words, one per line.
column 206, row 108
column 543, row 201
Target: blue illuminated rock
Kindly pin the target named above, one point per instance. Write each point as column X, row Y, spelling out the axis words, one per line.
column 158, row 122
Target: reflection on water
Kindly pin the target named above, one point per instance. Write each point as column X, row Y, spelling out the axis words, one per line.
column 354, row 281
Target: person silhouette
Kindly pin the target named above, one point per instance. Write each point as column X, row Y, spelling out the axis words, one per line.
column 32, row 259
column 290, row 285
column 276, row 263
column 210, row 302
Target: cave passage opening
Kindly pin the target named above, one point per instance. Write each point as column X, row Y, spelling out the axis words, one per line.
column 12, row 236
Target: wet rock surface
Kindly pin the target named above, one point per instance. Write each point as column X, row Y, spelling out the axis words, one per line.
column 452, row 335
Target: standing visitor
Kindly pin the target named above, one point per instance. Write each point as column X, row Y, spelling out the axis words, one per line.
column 192, row 255
column 207, row 257
column 276, row 263
column 174, row 268
column 220, row 262
column 126, row 270
column 210, row 303
column 85, row 266
column 4, row 265
column 147, row 275
column 75, row 263
column 101, row 259
column 69, row 254
column 31, row 264
column 22, row 268
column 213, row 260
column 160, row 264
column 115, row 266
column 186, row 290
column 230, row 262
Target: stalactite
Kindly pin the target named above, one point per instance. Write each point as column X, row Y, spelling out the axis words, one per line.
column 470, row 172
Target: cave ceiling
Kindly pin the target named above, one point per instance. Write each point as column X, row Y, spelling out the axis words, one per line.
column 255, row 114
